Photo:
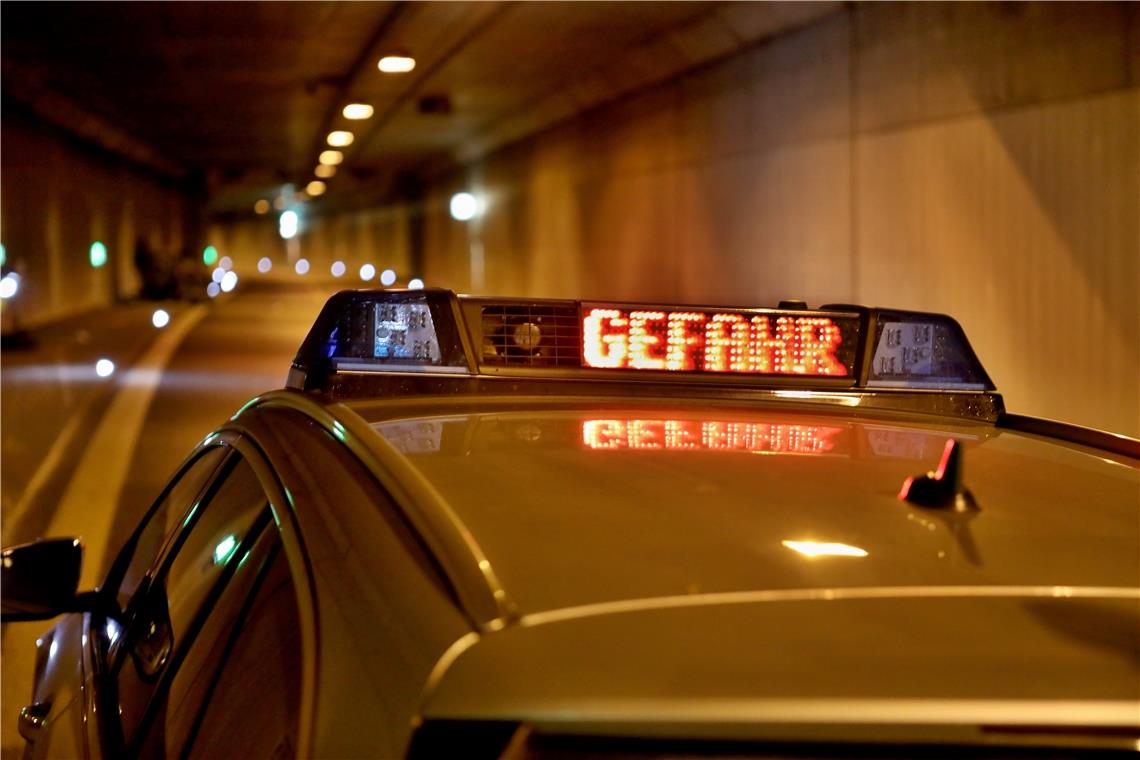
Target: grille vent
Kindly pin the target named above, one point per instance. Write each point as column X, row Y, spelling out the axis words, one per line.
column 531, row 336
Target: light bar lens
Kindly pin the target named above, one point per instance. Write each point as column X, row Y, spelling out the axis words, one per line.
column 708, row 341
column 386, row 331
column 923, row 351
column 405, row 331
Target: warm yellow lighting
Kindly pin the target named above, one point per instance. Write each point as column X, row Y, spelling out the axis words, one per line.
column 315, row 188
column 279, row 202
column 340, row 139
column 324, row 171
column 357, row 111
column 330, row 157
column 261, row 207
column 396, row 64
column 817, row 549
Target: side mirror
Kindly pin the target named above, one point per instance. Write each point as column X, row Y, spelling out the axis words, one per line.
column 39, row 580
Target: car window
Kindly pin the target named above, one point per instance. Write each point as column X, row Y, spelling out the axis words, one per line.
column 176, row 714
column 168, row 512
column 253, row 707
column 163, row 618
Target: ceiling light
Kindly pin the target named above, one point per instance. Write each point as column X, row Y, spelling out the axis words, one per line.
column 261, row 207
column 396, row 64
column 324, row 171
column 314, row 188
column 340, row 139
column 330, row 157
column 356, row 111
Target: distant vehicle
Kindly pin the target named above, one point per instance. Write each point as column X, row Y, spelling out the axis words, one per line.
column 475, row 527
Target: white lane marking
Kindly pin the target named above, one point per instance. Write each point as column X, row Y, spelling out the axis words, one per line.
column 47, row 468
column 91, row 500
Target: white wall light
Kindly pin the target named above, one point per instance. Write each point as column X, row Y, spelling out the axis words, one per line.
column 287, row 224
column 464, row 206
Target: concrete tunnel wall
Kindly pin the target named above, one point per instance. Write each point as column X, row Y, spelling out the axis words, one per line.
column 981, row 160
column 58, row 195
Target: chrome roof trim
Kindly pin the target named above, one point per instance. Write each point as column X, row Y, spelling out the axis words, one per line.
column 826, row 595
column 469, row 571
column 984, row 406
column 1085, row 436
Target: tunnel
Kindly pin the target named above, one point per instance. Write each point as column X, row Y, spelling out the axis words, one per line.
column 182, row 185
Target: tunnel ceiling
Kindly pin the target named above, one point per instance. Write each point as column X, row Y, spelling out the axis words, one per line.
column 240, row 96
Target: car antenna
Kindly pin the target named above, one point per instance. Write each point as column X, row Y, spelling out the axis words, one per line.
column 941, row 489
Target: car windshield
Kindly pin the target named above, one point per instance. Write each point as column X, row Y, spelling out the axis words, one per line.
column 606, row 504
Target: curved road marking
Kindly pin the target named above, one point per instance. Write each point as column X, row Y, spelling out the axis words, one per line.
column 89, row 504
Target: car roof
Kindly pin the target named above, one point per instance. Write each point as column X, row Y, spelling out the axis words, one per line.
column 579, row 503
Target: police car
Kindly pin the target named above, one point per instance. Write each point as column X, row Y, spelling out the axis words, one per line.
column 476, row 527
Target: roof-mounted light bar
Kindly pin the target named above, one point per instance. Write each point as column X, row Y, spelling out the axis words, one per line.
column 436, row 332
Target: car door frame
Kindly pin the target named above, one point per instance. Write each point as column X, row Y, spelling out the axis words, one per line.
column 100, row 736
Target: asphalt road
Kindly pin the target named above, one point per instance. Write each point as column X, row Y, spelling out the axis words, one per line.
column 86, row 455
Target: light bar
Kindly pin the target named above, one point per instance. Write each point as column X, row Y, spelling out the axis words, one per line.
column 836, row 349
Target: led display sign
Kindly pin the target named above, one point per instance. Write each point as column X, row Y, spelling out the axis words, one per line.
column 693, row 340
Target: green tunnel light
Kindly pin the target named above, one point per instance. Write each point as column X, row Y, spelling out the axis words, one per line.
column 3, row 255
column 97, row 254
column 209, row 255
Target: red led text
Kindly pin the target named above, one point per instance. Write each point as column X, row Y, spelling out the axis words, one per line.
column 681, row 341
column 708, row 435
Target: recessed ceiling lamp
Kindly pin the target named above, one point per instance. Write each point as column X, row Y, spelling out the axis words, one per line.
column 330, row 157
column 324, row 171
column 396, row 64
column 315, row 188
column 357, row 111
column 340, row 139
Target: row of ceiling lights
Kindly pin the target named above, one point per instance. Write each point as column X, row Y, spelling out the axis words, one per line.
column 329, row 160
